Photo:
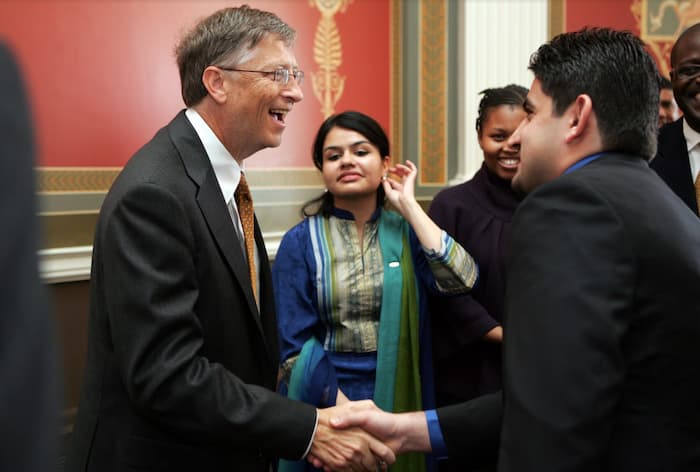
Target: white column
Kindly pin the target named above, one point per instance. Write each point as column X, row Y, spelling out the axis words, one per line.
column 497, row 38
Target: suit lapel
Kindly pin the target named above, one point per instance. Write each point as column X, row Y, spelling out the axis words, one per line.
column 674, row 163
column 267, row 300
column 213, row 206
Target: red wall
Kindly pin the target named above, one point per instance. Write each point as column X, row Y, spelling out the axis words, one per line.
column 611, row 13
column 617, row 14
column 102, row 77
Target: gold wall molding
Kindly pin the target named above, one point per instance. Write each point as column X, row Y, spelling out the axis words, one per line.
column 99, row 179
column 76, row 179
column 433, row 92
column 70, row 201
column 660, row 22
column 327, row 83
column 396, row 86
column 557, row 18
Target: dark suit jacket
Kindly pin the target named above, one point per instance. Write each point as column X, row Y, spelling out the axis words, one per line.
column 29, row 388
column 602, row 341
column 471, row 431
column 673, row 164
column 180, row 366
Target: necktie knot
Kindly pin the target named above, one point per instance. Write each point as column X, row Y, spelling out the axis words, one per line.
column 242, row 193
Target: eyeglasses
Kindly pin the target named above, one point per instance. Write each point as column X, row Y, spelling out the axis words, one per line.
column 279, row 75
column 687, row 72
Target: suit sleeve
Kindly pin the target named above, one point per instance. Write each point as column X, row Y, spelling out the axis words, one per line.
column 471, row 430
column 148, row 260
column 569, row 284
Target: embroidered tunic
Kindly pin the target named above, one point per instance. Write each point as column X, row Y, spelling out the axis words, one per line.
column 328, row 284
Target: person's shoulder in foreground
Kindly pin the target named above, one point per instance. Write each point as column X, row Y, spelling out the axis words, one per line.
column 29, row 396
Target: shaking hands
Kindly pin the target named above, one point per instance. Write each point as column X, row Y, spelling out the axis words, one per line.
column 358, row 436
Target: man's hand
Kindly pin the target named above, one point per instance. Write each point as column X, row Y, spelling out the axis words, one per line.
column 349, row 449
column 402, row 432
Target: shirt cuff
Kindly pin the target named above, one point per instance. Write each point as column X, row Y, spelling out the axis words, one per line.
column 437, row 442
column 311, row 441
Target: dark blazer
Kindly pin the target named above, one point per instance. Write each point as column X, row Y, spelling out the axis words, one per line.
column 471, row 431
column 602, row 340
column 478, row 214
column 29, row 381
column 180, row 366
column 673, row 164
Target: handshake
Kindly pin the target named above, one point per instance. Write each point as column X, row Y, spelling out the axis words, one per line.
column 358, row 436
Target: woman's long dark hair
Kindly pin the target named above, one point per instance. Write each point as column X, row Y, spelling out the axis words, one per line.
column 354, row 121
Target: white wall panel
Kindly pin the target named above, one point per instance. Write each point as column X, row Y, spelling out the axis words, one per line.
column 497, row 38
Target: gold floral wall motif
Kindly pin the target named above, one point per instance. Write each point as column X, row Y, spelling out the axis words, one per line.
column 396, row 89
column 433, row 92
column 660, row 22
column 327, row 83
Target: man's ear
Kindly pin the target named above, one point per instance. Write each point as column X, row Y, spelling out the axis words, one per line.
column 214, row 81
column 579, row 114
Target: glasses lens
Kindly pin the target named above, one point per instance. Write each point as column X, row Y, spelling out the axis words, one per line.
column 299, row 76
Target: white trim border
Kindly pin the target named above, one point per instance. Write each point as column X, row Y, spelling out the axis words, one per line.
column 65, row 264
column 72, row 264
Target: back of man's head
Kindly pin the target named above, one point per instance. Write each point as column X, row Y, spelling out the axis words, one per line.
column 616, row 72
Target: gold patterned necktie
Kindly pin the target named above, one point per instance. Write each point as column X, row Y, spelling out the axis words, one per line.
column 697, row 190
column 244, row 202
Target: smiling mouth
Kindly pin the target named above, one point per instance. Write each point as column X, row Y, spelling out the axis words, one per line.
column 509, row 163
column 279, row 115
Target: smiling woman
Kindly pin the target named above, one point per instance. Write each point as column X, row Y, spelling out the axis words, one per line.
column 351, row 280
column 467, row 330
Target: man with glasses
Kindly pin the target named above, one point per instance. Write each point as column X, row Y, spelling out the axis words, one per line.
column 183, row 352
column 678, row 157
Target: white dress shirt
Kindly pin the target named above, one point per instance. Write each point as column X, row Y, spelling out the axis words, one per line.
column 692, row 139
column 228, row 174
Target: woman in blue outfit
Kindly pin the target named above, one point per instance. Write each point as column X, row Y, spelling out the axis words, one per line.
column 351, row 280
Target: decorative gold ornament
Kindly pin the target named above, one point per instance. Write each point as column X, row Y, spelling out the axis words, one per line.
column 327, row 84
column 660, row 23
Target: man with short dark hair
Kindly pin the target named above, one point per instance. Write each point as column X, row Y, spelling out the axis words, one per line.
column 602, row 318
column 602, row 366
column 678, row 158
column 182, row 343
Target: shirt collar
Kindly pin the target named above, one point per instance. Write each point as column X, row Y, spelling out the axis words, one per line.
column 692, row 137
column 582, row 162
column 226, row 169
column 346, row 215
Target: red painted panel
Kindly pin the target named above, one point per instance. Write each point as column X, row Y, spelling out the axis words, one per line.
column 613, row 14
column 102, row 77
column 616, row 14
